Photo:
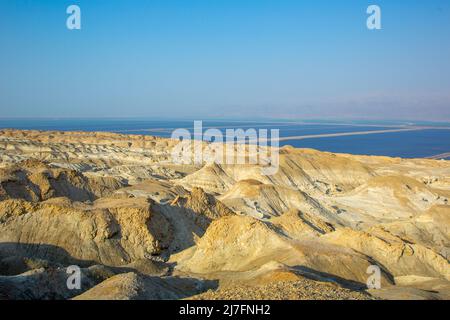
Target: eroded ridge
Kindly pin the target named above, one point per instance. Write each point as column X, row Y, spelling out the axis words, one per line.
column 141, row 227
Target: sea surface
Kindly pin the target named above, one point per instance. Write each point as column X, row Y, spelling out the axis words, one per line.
column 434, row 140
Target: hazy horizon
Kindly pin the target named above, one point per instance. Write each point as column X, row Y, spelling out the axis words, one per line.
column 336, row 120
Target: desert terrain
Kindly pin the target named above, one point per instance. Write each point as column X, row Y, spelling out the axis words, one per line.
column 141, row 227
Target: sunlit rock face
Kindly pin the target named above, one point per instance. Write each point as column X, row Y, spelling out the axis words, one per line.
column 141, row 227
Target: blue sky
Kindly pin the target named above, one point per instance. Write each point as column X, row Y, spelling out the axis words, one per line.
column 211, row 59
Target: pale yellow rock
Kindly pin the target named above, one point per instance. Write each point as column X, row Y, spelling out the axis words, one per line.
column 97, row 198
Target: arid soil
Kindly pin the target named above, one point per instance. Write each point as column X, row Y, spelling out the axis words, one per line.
column 142, row 227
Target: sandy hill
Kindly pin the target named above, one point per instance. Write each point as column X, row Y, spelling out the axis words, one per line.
column 143, row 227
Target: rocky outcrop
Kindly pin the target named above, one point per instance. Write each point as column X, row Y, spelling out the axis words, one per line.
column 36, row 181
column 143, row 227
column 306, row 170
column 431, row 229
column 397, row 256
column 297, row 224
column 202, row 207
column 133, row 286
column 242, row 244
column 110, row 231
column 47, row 284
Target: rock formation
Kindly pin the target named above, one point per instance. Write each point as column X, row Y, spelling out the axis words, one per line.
column 142, row 227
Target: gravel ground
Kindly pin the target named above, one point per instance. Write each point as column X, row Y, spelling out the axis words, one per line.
column 291, row 290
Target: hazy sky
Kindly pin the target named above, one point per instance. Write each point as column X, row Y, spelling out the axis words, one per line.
column 231, row 58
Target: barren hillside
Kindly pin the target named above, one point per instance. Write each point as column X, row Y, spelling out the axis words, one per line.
column 141, row 227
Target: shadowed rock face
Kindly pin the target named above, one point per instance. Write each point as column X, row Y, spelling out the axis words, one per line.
column 114, row 235
column 141, row 227
column 133, row 286
column 36, row 181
